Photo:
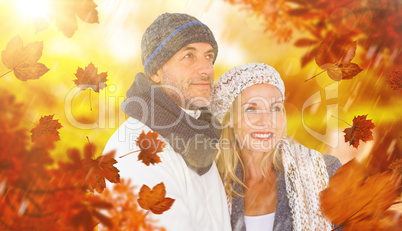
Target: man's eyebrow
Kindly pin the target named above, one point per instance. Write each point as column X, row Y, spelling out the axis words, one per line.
column 212, row 50
column 188, row 48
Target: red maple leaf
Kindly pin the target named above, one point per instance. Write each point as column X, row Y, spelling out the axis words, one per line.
column 335, row 55
column 154, row 200
column 359, row 131
column 150, row 145
column 24, row 60
column 395, row 78
column 45, row 133
column 89, row 78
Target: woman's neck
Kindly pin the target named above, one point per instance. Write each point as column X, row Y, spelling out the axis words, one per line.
column 252, row 162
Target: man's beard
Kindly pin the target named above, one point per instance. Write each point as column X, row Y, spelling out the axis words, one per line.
column 180, row 93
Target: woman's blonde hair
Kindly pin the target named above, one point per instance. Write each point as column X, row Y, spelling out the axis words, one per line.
column 229, row 155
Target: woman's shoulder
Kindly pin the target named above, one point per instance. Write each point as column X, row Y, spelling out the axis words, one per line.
column 332, row 164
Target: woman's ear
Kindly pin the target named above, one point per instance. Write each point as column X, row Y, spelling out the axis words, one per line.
column 156, row 78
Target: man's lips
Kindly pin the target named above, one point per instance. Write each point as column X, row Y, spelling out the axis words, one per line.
column 202, row 85
column 262, row 135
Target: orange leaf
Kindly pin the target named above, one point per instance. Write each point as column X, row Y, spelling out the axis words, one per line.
column 395, row 78
column 154, row 200
column 342, row 71
column 89, row 78
column 99, row 169
column 305, row 42
column 335, row 55
column 45, row 132
column 352, row 197
column 359, row 131
column 64, row 14
column 24, row 60
column 150, row 145
column 335, row 51
column 396, row 166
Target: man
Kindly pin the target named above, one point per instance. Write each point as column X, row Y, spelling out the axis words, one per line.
column 178, row 53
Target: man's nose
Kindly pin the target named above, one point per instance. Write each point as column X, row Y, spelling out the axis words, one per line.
column 205, row 67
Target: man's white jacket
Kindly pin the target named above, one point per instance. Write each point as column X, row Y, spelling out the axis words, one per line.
column 200, row 201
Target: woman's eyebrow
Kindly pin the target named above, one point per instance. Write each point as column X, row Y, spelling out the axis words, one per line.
column 252, row 103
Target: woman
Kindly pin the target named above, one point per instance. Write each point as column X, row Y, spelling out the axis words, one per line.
column 272, row 181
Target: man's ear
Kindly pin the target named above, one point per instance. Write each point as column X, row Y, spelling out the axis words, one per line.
column 156, row 77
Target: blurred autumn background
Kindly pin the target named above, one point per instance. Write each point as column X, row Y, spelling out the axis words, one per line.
column 356, row 43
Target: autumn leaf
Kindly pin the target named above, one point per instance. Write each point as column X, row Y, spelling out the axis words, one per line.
column 24, row 60
column 98, row 169
column 46, row 132
column 395, row 78
column 89, row 78
column 354, row 199
column 150, row 146
column 359, row 131
column 64, row 15
column 396, row 165
column 154, row 200
column 335, row 55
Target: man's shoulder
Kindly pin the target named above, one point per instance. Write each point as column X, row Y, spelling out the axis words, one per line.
column 123, row 139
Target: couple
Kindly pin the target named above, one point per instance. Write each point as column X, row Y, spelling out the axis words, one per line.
column 235, row 170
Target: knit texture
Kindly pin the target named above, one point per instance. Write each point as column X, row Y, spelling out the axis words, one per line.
column 285, row 212
column 168, row 34
column 194, row 139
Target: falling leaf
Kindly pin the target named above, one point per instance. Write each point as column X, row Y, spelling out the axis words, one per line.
column 24, row 60
column 98, row 169
column 354, row 199
column 395, row 78
column 335, row 55
column 89, row 78
column 154, row 200
column 64, row 15
column 305, row 42
column 396, row 166
column 359, row 131
column 150, row 146
column 46, row 132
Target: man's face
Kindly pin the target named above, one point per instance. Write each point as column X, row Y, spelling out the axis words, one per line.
column 188, row 76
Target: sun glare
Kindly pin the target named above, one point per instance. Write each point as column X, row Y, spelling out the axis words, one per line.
column 33, row 8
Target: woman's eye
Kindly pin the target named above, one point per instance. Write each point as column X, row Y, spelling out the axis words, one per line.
column 275, row 108
column 250, row 109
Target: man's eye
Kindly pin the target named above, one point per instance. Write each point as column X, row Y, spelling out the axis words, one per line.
column 189, row 55
column 210, row 56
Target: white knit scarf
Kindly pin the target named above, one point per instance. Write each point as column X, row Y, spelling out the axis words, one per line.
column 305, row 176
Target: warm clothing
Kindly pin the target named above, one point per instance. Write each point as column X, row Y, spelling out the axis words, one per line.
column 283, row 216
column 194, row 139
column 200, row 201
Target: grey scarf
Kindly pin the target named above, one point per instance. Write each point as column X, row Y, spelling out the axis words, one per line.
column 194, row 139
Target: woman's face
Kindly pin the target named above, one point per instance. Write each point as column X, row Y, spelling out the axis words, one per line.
column 259, row 118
